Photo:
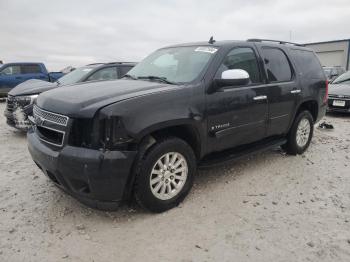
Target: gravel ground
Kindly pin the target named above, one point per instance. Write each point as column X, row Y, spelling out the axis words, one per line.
column 266, row 207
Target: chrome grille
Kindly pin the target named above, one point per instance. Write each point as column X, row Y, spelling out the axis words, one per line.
column 49, row 116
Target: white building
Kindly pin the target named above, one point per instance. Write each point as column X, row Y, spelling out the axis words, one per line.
column 332, row 53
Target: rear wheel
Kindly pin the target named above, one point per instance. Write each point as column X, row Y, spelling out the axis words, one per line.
column 300, row 134
column 165, row 175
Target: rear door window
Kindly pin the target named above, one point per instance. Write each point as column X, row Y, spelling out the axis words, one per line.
column 308, row 64
column 277, row 65
column 123, row 70
column 108, row 73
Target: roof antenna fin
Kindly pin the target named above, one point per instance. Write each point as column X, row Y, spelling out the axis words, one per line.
column 211, row 40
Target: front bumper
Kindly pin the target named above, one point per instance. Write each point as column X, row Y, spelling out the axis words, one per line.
column 97, row 179
column 18, row 118
column 344, row 109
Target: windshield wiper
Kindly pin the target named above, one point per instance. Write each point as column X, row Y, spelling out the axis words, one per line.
column 130, row 76
column 159, row 78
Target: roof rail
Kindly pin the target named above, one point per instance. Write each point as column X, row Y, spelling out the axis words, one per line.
column 108, row 63
column 275, row 41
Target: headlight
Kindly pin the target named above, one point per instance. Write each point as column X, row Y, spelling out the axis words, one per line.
column 112, row 133
column 26, row 100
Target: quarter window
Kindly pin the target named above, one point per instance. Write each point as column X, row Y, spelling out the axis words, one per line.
column 241, row 58
column 277, row 65
column 308, row 64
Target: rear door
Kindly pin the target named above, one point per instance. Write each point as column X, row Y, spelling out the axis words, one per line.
column 237, row 114
column 283, row 89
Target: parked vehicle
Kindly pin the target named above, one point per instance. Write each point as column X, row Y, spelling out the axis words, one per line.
column 12, row 74
column 339, row 94
column 183, row 106
column 333, row 72
column 21, row 98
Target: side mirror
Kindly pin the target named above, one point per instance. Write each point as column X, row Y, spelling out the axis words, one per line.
column 232, row 77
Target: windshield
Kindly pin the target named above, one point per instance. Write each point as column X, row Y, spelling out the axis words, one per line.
column 74, row 76
column 175, row 64
column 344, row 79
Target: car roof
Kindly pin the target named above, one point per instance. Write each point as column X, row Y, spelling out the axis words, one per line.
column 23, row 63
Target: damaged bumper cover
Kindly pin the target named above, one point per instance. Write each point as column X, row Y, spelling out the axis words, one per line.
column 19, row 118
column 18, row 108
column 96, row 178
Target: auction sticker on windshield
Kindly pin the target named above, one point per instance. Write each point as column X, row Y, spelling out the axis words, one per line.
column 206, row 49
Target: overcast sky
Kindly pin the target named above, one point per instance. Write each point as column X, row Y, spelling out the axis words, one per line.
column 74, row 32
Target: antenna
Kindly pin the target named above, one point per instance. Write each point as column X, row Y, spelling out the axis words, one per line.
column 211, row 40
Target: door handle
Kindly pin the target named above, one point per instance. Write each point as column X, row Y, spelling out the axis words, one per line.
column 295, row 91
column 257, row 98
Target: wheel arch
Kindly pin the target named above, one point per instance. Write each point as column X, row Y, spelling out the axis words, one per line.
column 183, row 130
column 311, row 106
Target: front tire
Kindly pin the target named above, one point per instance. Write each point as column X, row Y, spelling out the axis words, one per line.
column 165, row 175
column 300, row 134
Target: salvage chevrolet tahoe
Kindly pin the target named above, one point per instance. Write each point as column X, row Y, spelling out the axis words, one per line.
column 182, row 107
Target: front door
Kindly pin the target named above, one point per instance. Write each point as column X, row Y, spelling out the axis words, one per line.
column 237, row 114
column 10, row 76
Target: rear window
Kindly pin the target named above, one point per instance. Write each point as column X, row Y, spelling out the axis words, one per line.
column 308, row 63
column 30, row 69
column 277, row 65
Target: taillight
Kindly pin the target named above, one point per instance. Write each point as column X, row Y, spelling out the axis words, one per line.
column 325, row 99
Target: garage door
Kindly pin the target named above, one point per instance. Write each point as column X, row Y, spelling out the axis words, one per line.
column 332, row 58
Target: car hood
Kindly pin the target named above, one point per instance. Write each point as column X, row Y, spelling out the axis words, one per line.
column 85, row 99
column 339, row 89
column 31, row 87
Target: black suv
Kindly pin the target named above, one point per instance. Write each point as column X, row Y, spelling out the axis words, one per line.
column 20, row 99
column 183, row 106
